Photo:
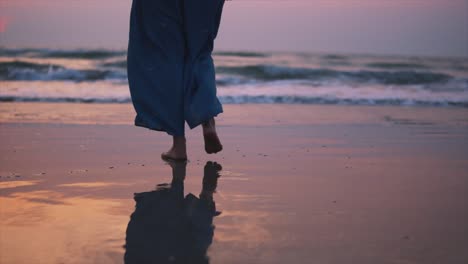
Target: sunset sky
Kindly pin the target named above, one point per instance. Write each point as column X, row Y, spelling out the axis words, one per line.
column 408, row 27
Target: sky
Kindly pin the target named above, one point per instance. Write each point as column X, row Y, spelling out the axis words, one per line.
column 400, row 27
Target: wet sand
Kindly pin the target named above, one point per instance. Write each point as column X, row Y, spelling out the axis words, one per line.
column 299, row 184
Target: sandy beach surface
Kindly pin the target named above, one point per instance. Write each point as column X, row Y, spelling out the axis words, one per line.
column 299, row 184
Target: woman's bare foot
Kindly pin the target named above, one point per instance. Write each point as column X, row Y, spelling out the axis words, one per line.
column 212, row 142
column 178, row 151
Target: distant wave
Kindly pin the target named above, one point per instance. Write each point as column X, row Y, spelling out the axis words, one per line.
column 274, row 72
column 240, row 54
column 19, row 52
column 339, row 101
column 26, row 71
column 260, row 99
column 395, row 65
column 66, row 54
column 11, row 66
column 82, row 54
column 118, row 64
column 334, row 57
column 21, row 70
column 102, row 54
column 63, row 99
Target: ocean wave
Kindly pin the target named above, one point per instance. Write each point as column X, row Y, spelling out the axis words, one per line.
column 396, row 65
column 232, row 80
column 26, row 71
column 261, row 99
column 117, row 64
column 280, row 99
column 267, row 72
column 240, row 54
column 334, row 57
column 100, row 76
column 6, row 67
column 19, row 52
column 64, row 99
column 231, row 75
column 459, row 67
column 66, row 54
column 116, row 70
column 82, row 54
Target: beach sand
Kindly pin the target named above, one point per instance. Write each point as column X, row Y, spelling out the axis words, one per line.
column 299, row 184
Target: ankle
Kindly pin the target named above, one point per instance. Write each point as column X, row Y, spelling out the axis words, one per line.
column 178, row 139
column 209, row 123
column 209, row 126
column 179, row 142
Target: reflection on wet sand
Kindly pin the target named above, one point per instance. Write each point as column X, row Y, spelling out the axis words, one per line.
column 168, row 227
column 47, row 226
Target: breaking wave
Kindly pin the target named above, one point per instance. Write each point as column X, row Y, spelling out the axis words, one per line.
column 100, row 76
column 258, row 99
column 20, row 70
column 66, row 54
column 274, row 72
column 27, row 71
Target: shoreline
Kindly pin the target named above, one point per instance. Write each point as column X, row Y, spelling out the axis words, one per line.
column 234, row 114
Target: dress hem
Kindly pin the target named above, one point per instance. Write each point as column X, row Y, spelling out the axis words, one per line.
column 206, row 117
column 159, row 129
column 191, row 126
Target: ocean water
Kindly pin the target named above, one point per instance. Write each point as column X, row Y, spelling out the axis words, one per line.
column 99, row 76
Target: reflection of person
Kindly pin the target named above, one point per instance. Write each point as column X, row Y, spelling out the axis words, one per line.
column 171, row 72
column 168, row 228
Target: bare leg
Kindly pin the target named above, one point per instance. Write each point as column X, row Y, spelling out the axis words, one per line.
column 212, row 142
column 178, row 150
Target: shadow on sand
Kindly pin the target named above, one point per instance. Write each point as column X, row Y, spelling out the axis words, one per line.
column 167, row 227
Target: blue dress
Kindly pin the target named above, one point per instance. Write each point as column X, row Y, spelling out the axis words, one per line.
column 170, row 69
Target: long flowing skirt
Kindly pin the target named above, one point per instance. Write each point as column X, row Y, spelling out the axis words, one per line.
column 171, row 72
